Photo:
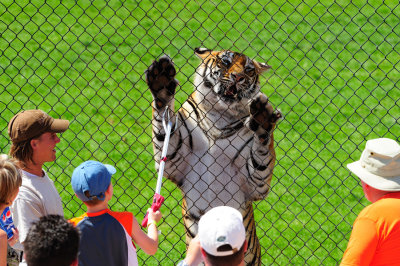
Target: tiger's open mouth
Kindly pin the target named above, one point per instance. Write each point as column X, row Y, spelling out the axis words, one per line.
column 229, row 93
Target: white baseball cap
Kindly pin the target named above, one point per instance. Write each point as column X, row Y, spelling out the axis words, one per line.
column 221, row 231
column 379, row 165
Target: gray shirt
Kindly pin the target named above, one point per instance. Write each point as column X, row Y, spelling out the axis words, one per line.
column 37, row 197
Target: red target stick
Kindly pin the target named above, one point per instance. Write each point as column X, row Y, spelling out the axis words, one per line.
column 158, row 199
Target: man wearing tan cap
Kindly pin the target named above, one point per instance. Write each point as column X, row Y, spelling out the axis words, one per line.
column 34, row 138
column 375, row 239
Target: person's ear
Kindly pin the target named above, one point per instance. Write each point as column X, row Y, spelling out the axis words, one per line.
column 109, row 188
column 245, row 245
column 75, row 262
column 203, row 253
column 365, row 186
column 34, row 143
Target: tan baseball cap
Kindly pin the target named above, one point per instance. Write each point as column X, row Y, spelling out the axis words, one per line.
column 32, row 123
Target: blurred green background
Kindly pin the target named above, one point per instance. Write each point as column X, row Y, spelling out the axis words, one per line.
column 335, row 72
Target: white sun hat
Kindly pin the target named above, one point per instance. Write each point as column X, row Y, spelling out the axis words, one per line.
column 221, row 231
column 379, row 165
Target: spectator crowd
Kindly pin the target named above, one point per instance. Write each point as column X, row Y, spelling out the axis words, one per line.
column 40, row 235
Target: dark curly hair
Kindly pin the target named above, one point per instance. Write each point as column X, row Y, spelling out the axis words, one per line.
column 51, row 240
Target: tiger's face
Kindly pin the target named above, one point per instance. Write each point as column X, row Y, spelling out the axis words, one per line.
column 230, row 76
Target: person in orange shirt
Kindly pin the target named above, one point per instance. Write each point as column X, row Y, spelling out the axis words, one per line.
column 375, row 239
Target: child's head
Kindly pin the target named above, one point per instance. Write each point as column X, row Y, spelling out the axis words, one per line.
column 52, row 240
column 10, row 181
column 90, row 181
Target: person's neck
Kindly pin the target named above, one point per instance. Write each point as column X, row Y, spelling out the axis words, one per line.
column 206, row 263
column 379, row 194
column 32, row 168
column 99, row 207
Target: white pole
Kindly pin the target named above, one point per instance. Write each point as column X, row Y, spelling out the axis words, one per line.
column 167, row 129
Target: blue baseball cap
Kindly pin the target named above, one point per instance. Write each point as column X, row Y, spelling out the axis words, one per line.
column 94, row 177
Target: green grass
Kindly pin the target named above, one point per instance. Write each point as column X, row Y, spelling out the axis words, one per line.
column 335, row 71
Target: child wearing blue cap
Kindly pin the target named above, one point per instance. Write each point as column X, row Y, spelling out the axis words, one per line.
column 108, row 237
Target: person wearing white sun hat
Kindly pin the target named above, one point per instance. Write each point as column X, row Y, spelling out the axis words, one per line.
column 375, row 239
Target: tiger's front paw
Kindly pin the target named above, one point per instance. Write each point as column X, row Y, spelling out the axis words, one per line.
column 262, row 116
column 160, row 78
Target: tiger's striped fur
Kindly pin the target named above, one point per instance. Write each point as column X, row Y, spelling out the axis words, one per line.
column 222, row 151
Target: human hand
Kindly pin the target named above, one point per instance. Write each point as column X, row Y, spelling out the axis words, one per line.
column 14, row 239
column 193, row 255
column 154, row 215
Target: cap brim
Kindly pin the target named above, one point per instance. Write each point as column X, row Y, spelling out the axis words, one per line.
column 375, row 181
column 111, row 169
column 59, row 125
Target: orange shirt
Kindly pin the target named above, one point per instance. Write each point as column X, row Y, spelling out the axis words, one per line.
column 375, row 239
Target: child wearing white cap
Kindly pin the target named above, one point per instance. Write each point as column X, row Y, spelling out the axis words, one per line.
column 375, row 239
column 221, row 239
column 108, row 238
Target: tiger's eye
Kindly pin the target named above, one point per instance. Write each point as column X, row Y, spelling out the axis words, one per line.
column 249, row 69
column 226, row 60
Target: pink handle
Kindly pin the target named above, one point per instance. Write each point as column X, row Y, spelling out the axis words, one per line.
column 157, row 202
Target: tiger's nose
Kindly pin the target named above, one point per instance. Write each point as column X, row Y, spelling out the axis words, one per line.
column 237, row 77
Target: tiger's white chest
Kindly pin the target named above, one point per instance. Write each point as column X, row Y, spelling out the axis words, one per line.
column 214, row 177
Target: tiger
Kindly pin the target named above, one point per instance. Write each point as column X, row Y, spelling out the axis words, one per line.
column 221, row 149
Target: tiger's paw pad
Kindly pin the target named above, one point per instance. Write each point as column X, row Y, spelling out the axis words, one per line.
column 262, row 116
column 160, row 78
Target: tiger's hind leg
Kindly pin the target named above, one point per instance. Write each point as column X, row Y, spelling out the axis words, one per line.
column 253, row 253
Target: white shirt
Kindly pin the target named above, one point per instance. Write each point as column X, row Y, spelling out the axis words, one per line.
column 37, row 197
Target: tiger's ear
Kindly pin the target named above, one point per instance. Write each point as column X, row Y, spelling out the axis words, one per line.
column 203, row 53
column 261, row 67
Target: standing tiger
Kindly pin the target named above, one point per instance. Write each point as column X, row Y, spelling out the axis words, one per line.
column 222, row 150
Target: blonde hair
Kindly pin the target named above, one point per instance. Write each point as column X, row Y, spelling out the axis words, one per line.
column 10, row 180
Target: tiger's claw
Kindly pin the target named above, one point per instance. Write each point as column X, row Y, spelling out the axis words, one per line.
column 262, row 114
column 160, row 78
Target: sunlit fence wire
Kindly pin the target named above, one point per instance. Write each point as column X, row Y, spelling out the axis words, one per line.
column 335, row 73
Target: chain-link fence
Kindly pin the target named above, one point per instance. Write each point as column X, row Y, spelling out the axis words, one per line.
column 335, row 71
